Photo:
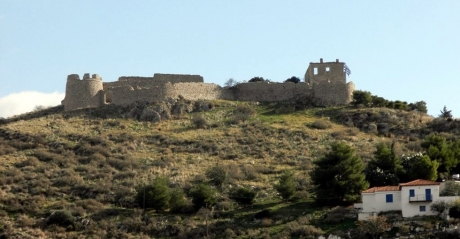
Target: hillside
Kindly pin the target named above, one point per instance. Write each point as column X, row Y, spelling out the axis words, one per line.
column 76, row 174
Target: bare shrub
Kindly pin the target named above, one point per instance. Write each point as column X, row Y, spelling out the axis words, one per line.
column 321, row 124
column 340, row 134
column 91, row 205
column 199, row 122
column 243, row 113
column 336, row 215
column 295, row 229
column 30, row 161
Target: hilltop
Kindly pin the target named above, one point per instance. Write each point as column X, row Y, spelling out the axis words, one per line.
column 72, row 174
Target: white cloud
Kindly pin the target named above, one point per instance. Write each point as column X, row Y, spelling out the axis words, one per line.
column 26, row 101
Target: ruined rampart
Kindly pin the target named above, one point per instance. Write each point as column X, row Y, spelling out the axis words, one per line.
column 197, row 91
column 325, row 84
column 264, row 91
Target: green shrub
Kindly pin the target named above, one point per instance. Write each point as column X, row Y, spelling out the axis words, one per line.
column 286, row 185
column 243, row 196
column 61, row 218
column 216, row 175
column 203, row 196
column 154, row 196
column 178, row 203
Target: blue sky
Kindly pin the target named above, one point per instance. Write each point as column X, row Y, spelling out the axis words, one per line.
column 400, row 50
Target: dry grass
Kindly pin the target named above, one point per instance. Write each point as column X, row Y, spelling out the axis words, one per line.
column 88, row 165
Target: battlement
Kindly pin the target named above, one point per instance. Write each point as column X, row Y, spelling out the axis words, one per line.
column 86, row 76
column 325, row 85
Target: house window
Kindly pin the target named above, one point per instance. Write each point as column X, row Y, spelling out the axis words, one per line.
column 328, row 68
column 389, row 198
column 422, row 208
column 411, row 193
column 315, row 71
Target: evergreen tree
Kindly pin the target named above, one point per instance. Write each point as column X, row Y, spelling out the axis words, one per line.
column 293, row 79
column 177, row 202
column 362, row 97
column 444, row 152
column 203, row 196
column 446, row 113
column 338, row 176
column 419, row 166
column 385, row 167
column 155, row 195
column 286, row 185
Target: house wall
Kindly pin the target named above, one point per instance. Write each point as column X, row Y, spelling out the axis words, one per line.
column 376, row 202
column 411, row 209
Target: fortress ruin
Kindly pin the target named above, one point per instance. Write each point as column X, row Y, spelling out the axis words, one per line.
column 325, row 84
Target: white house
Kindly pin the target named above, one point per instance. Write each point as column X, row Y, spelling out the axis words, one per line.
column 412, row 199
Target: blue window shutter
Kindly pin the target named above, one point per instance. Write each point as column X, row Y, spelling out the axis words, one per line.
column 389, row 197
column 411, row 193
column 422, row 208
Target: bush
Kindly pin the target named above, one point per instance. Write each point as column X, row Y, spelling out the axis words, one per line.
column 61, row 218
column 286, row 185
column 296, row 230
column 256, row 79
column 203, row 196
column 243, row 196
column 293, row 79
column 199, row 122
column 243, row 113
column 154, row 196
column 216, row 175
column 178, row 203
column 362, row 97
column 321, row 124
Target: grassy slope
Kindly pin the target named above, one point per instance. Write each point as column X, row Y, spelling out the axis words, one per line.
column 91, row 166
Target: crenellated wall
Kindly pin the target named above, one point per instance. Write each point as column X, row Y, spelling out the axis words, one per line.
column 325, row 83
column 84, row 93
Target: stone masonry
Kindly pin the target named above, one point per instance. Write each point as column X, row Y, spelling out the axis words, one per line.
column 325, row 83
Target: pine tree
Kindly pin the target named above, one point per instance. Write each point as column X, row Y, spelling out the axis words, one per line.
column 339, row 176
column 286, row 185
column 385, row 167
column 155, row 195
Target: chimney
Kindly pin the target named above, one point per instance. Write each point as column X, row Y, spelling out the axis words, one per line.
column 320, row 60
column 337, row 60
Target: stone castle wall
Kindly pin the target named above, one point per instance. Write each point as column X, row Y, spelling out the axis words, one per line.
column 264, row 91
column 86, row 93
column 325, row 83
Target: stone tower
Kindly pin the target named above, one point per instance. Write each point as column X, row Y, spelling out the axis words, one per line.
column 329, row 83
column 86, row 93
column 325, row 72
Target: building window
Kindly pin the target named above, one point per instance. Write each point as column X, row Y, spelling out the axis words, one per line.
column 411, row 193
column 328, row 68
column 315, row 71
column 389, row 197
column 422, row 208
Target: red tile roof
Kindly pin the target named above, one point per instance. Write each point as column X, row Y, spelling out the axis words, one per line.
column 381, row 189
column 419, row 182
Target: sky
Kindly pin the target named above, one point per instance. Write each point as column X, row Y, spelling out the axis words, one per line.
column 400, row 50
